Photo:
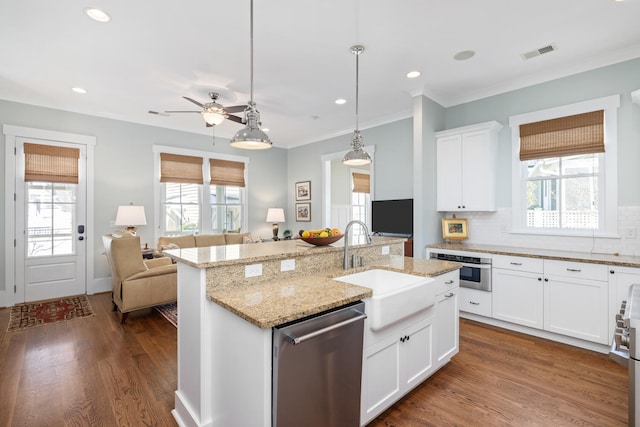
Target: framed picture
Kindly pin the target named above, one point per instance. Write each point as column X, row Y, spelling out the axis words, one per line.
column 303, row 212
column 454, row 229
column 303, row 190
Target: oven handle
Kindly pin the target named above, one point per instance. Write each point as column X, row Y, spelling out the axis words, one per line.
column 484, row 266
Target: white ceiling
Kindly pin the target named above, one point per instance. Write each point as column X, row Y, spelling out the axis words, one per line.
column 154, row 52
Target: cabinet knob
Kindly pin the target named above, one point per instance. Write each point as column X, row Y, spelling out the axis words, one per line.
column 539, row 279
column 546, row 279
column 612, row 271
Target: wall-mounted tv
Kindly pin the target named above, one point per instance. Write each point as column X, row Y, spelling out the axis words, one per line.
column 392, row 217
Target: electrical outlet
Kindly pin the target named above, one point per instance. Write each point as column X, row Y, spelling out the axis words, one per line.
column 287, row 264
column 630, row 233
column 385, row 250
column 253, row 270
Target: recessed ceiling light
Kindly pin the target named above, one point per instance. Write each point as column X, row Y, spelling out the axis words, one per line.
column 413, row 74
column 97, row 14
column 464, row 55
column 340, row 101
column 78, row 90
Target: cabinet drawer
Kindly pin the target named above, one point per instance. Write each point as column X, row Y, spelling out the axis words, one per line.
column 447, row 281
column 518, row 263
column 475, row 301
column 579, row 270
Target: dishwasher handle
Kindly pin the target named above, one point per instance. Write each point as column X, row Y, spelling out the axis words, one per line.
column 298, row 340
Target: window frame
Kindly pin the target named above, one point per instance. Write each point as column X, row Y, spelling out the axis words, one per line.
column 205, row 205
column 608, row 174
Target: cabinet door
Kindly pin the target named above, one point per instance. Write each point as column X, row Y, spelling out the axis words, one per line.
column 447, row 324
column 577, row 308
column 518, row 297
column 478, row 172
column 449, row 173
column 380, row 378
column 416, row 346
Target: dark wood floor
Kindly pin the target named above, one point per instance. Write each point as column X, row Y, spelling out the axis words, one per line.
column 95, row 372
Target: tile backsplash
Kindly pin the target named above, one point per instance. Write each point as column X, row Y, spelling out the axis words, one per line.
column 494, row 228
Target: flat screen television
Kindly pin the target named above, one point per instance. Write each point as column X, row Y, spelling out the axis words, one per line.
column 392, row 217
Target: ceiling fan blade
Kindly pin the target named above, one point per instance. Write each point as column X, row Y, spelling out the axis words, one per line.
column 235, row 119
column 194, row 101
column 183, row 112
column 235, row 109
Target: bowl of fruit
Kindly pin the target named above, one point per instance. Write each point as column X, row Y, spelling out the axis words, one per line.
column 322, row 237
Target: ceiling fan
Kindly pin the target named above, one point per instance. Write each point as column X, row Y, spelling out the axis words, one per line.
column 214, row 113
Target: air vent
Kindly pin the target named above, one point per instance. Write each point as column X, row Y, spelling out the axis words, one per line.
column 538, row 52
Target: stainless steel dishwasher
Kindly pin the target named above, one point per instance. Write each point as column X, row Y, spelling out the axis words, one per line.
column 317, row 369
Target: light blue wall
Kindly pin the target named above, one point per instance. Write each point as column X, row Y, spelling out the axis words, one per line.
column 124, row 169
column 621, row 79
column 393, row 169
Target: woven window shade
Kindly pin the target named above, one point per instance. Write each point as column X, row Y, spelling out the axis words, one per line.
column 50, row 164
column 227, row 172
column 564, row 136
column 360, row 183
column 181, row 169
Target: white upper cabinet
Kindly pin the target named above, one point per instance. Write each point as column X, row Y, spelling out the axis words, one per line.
column 466, row 167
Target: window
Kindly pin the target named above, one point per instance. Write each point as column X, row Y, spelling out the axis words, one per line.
column 51, row 177
column 360, row 198
column 564, row 169
column 562, row 192
column 187, row 205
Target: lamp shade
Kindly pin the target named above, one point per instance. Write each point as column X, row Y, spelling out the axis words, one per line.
column 275, row 215
column 130, row 215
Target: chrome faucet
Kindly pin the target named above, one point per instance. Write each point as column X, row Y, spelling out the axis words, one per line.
column 346, row 239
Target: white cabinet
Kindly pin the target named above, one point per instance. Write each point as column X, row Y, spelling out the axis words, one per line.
column 518, row 290
column 475, row 301
column 576, row 300
column 466, row 168
column 620, row 278
column 395, row 364
column 447, row 317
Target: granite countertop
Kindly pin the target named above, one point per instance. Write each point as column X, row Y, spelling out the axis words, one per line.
column 277, row 302
column 594, row 258
column 205, row 257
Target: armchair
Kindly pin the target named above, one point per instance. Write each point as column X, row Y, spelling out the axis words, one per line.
column 138, row 284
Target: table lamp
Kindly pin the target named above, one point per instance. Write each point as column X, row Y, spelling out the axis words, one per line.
column 131, row 216
column 275, row 215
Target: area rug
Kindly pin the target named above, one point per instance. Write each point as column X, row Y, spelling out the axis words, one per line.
column 169, row 311
column 40, row 313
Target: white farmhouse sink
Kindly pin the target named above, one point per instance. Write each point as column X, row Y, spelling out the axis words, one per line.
column 395, row 295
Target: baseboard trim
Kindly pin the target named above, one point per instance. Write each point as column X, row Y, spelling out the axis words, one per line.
column 99, row 285
column 600, row 348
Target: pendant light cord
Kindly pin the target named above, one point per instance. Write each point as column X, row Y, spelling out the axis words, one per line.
column 251, row 51
column 357, row 74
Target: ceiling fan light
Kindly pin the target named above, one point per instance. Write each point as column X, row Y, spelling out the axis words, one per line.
column 213, row 118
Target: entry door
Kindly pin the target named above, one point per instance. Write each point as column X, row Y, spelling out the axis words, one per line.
column 50, row 239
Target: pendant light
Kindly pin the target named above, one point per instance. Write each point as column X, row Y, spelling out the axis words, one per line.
column 251, row 137
column 357, row 156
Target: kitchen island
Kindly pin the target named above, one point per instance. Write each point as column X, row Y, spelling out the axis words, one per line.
column 230, row 297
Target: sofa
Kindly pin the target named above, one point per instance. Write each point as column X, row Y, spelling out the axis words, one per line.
column 202, row 240
column 138, row 284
